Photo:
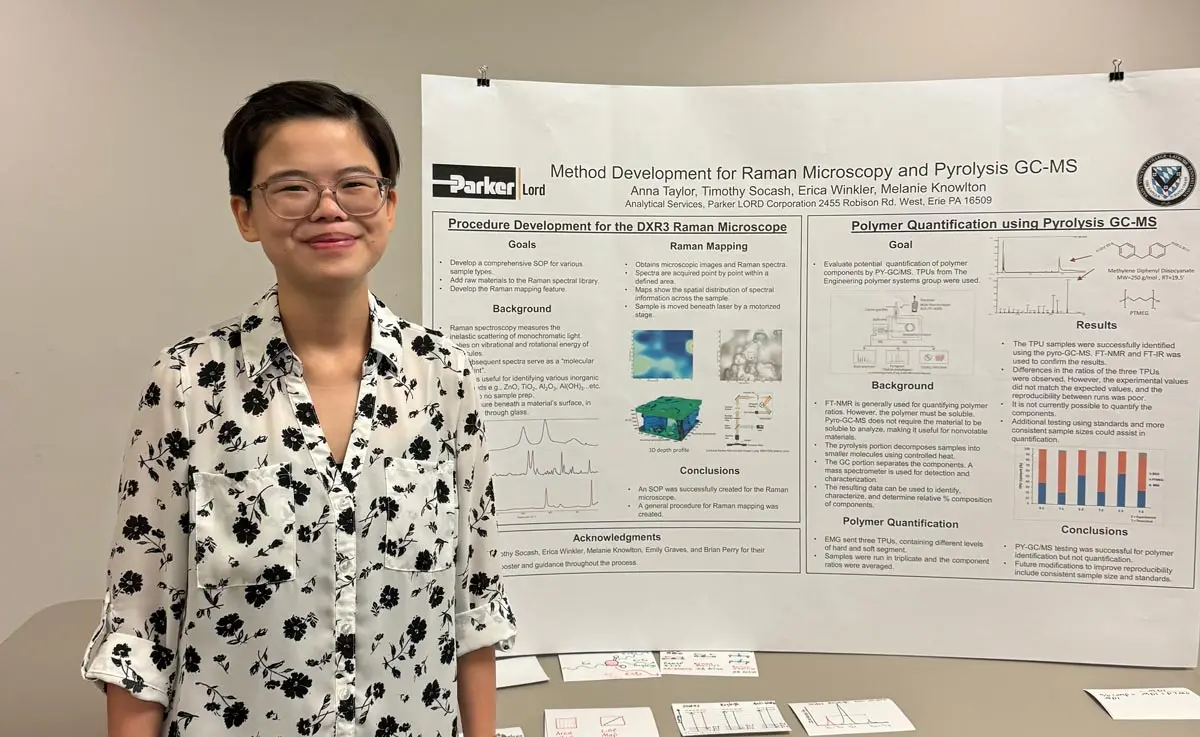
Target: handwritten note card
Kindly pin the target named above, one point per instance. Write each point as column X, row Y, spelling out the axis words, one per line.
column 729, row 717
column 863, row 716
column 607, row 666
column 705, row 663
column 617, row 722
column 1148, row 703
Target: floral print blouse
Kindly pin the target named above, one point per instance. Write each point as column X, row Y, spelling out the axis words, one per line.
column 256, row 587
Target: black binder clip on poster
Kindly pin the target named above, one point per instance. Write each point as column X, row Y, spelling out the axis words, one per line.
column 1116, row 75
column 483, row 80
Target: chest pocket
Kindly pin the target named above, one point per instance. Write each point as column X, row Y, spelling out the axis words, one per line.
column 422, row 516
column 245, row 527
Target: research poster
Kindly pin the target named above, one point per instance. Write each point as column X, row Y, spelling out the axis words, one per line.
column 900, row 368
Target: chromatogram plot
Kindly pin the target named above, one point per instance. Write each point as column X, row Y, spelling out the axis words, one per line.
column 852, row 717
column 544, row 468
column 1037, row 275
column 729, row 717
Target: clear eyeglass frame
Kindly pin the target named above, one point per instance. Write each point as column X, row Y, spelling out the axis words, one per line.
column 382, row 185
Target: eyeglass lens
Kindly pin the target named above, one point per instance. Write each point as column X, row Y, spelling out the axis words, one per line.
column 297, row 198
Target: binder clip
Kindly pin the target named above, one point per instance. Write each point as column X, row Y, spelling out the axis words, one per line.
column 483, row 80
column 1116, row 75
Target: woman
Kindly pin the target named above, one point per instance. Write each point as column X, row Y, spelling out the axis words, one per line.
column 306, row 524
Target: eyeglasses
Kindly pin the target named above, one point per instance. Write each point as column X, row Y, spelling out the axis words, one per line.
column 295, row 198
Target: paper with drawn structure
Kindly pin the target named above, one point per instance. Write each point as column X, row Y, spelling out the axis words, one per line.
column 607, row 666
column 1148, row 703
column 635, row 721
column 707, row 663
column 729, row 717
column 510, row 732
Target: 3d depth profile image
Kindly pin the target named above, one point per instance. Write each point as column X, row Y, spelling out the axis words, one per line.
column 662, row 354
column 669, row 417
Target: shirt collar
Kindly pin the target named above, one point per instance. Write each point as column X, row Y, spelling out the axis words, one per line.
column 264, row 344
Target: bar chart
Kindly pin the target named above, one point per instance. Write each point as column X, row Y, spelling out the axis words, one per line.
column 1098, row 483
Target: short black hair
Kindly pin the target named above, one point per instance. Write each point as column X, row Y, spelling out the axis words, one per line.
column 299, row 99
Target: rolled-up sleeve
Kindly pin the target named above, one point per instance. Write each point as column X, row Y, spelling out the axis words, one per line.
column 136, row 643
column 483, row 616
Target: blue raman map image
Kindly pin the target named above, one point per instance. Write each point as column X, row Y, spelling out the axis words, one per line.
column 662, row 354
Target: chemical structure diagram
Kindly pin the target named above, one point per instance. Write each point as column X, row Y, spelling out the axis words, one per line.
column 1155, row 250
column 1139, row 305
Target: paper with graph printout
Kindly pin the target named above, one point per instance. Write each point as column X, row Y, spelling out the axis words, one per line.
column 519, row 671
column 729, row 717
column 617, row 722
column 864, row 716
column 608, row 666
column 707, row 663
column 510, row 732
column 1148, row 703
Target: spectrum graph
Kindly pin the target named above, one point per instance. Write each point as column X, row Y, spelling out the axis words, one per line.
column 544, row 469
column 1112, row 481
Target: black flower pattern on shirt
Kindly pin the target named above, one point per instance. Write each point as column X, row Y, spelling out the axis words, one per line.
column 258, row 587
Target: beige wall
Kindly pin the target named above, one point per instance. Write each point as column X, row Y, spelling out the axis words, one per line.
column 118, row 238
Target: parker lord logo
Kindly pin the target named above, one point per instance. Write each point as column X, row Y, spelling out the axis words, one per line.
column 1166, row 179
column 476, row 182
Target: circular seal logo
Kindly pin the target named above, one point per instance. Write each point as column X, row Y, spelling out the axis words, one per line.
column 1166, row 179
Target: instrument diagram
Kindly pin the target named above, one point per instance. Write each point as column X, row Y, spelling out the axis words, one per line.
column 905, row 333
column 748, row 419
